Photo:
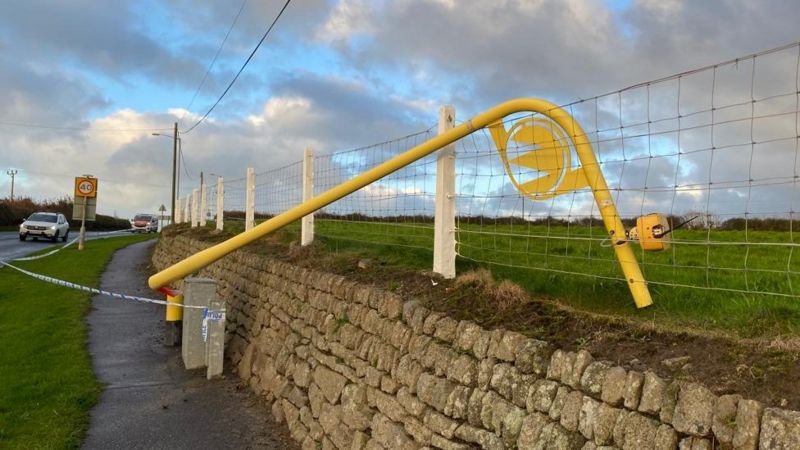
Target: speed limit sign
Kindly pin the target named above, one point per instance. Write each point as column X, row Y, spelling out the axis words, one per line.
column 85, row 187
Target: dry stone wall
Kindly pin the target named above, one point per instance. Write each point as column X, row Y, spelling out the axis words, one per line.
column 349, row 366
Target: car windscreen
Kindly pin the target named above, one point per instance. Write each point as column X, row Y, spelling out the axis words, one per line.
column 43, row 218
column 141, row 219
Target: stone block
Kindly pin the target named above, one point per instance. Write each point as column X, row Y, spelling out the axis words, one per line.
column 533, row 356
column 540, row 396
column 446, row 444
column 481, row 345
column 458, row 402
column 605, row 419
column 391, row 435
column 329, row 382
column 579, row 365
column 512, row 425
column 439, row 423
column 504, row 376
column 485, row 372
column 558, row 365
column 418, row 430
column 474, row 406
column 694, row 410
column 504, row 345
column 410, row 402
column 588, row 416
column 429, row 325
column 570, row 413
column 594, row 377
column 694, row 443
column 724, row 421
column 315, row 399
column 670, row 400
column 446, row 329
column 386, row 404
column 652, row 394
column 408, row 310
column 666, row 438
column 464, row 370
column 355, row 412
column 466, row 334
column 780, row 430
column 531, row 429
column 434, row 391
column 558, row 403
column 301, row 374
column 487, row 440
column 555, row 437
column 408, row 372
column 640, row 432
column 633, row 389
column 748, row 424
column 614, row 385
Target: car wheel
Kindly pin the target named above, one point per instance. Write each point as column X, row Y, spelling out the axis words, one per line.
column 22, row 237
column 55, row 237
column 64, row 238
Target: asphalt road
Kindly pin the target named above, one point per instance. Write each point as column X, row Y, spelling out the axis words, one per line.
column 11, row 247
column 150, row 401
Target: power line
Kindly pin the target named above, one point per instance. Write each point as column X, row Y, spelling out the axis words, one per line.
column 214, row 60
column 266, row 33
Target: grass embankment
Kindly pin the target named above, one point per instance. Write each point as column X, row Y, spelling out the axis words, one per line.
column 534, row 256
column 46, row 381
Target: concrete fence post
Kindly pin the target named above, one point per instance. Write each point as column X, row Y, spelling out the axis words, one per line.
column 196, row 292
column 178, row 210
column 186, row 209
column 203, row 213
column 444, row 236
column 250, row 199
column 307, row 223
column 195, row 208
column 215, row 338
column 220, row 200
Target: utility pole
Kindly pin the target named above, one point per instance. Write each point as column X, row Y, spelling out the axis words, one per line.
column 174, row 169
column 13, row 173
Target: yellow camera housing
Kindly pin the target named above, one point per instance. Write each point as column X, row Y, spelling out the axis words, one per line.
column 652, row 232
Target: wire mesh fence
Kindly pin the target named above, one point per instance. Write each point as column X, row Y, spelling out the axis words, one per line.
column 717, row 147
column 715, row 150
column 396, row 210
column 277, row 190
column 234, row 200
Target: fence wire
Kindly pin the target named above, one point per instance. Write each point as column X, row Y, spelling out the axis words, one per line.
column 397, row 210
column 715, row 148
column 234, row 201
column 278, row 190
column 717, row 145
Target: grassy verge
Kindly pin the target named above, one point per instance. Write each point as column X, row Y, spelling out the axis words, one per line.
column 46, row 381
column 536, row 257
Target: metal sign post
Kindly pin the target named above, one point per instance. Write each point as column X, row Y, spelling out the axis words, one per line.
column 86, row 200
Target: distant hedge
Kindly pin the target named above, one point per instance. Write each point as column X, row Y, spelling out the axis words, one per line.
column 13, row 213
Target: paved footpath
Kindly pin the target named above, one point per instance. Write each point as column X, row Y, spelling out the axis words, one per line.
column 150, row 401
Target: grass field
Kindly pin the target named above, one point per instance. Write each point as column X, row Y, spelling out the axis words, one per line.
column 706, row 280
column 46, row 381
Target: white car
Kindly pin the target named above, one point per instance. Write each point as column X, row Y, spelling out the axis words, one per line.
column 45, row 225
column 144, row 223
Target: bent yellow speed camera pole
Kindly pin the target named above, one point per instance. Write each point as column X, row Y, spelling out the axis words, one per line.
column 593, row 177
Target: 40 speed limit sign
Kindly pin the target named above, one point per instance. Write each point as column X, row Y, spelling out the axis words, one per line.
column 85, row 187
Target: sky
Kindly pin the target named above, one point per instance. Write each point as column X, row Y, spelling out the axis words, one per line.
column 87, row 83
